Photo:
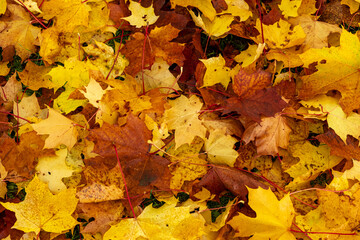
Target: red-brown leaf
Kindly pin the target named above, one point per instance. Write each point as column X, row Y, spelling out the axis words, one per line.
column 265, row 102
column 350, row 150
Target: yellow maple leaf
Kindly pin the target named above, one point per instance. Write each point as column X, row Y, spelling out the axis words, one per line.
column 35, row 77
column 250, row 55
column 57, row 46
column 126, row 91
column 289, row 57
column 205, row 6
column 94, row 92
column 189, row 166
column 158, row 77
column 215, row 28
column 41, row 210
column 341, row 179
column 102, row 56
column 238, row 8
column 18, row 31
column 140, row 16
column 329, row 108
column 335, row 213
column 337, row 69
column 313, row 160
column 74, row 74
column 27, row 108
column 317, row 32
column 289, row 8
column 273, row 218
column 53, row 169
column 220, row 148
column 280, row 35
column 68, row 14
column 60, row 129
column 183, row 118
column 159, row 224
column 216, row 72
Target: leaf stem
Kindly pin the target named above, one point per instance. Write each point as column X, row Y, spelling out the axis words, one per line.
column 38, row 20
column 143, row 59
column 125, row 185
column 117, row 54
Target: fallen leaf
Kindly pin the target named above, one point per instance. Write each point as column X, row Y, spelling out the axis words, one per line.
column 329, row 108
column 349, row 150
column 60, row 129
column 68, row 15
column 250, row 55
column 140, row 16
column 220, row 148
column 18, row 31
column 28, row 108
column 183, row 118
column 221, row 178
column 246, row 84
column 273, row 218
column 158, row 77
column 53, row 169
column 313, row 160
column 36, row 77
column 160, row 46
column 265, row 102
column 216, row 72
column 344, row 79
column 105, row 214
column 103, row 57
column 290, row 8
column 238, row 8
column 41, row 210
column 29, row 149
column 158, row 223
column 142, row 170
column 270, row 134
column 186, row 163
column 216, row 28
column 205, row 6
column 280, row 35
column 317, row 32
column 103, row 183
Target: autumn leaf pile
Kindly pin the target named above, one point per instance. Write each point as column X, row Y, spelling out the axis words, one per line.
column 179, row 119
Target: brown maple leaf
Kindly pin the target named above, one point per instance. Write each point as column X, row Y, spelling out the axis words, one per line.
column 20, row 159
column 221, row 178
column 158, row 44
column 7, row 220
column 142, row 170
column 265, row 102
column 350, row 150
column 246, row 85
column 105, row 213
